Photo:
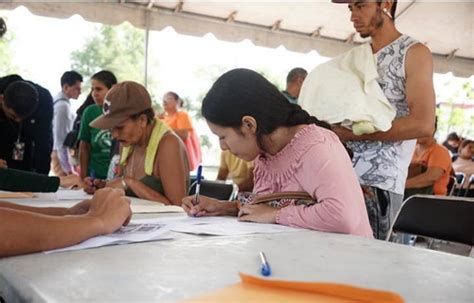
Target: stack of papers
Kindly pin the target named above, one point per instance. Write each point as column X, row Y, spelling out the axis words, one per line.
column 155, row 208
column 227, row 226
column 155, row 229
column 134, row 232
column 69, row 194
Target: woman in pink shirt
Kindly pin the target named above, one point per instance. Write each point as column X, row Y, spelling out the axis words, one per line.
column 292, row 151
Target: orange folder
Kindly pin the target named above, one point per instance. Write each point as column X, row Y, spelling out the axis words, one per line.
column 253, row 289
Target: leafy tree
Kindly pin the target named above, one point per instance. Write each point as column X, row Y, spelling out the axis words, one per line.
column 120, row 49
column 205, row 141
column 453, row 116
column 206, row 75
column 274, row 79
column 6, row 65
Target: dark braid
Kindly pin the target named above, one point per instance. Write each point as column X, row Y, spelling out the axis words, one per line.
column 297, row 116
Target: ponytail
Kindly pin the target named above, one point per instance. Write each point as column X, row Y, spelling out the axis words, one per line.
column 297, row 116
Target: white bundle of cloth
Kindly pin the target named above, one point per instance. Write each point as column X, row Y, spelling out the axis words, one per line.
column 345, row 90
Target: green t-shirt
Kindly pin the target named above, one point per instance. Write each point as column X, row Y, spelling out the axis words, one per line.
column 100, row 141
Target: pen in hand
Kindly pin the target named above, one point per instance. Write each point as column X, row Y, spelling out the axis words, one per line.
column 198, row 185
column 92, row 176
column 266, row 270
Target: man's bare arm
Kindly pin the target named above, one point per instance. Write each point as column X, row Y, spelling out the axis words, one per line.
column 429, row 177
column 421, row 101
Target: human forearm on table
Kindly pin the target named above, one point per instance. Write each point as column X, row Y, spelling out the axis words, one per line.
column 49, row 232
column 329, row 215
column 51, row 211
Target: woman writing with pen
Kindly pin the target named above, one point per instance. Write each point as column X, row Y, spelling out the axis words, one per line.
column 292, row 152
column 152, row 158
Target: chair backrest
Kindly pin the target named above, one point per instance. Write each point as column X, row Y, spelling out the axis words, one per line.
column 452, row 185
column 444, row 218
column 460, row 177
column 468, row 190
column 454, row 157
column 216, row 189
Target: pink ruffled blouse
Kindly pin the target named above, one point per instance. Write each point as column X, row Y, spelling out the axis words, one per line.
column 315, row 162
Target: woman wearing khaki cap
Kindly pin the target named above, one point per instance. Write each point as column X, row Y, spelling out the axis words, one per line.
column 152, row 158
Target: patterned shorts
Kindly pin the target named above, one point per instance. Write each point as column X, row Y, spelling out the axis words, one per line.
column 382, row 207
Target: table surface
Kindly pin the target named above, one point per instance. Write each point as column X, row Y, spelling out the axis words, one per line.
column 192, row 265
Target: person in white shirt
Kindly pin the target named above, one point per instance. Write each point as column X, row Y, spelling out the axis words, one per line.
column 63, row 121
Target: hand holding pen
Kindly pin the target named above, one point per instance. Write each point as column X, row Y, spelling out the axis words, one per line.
column 198, row 185
column 92, row 184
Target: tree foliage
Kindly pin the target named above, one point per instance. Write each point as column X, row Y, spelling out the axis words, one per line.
column 6, row 55
column 454, row 115
column 119, row 49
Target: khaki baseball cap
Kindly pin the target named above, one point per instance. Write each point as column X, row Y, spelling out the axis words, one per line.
column 122, row 101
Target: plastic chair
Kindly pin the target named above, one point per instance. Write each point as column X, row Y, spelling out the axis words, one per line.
column 460, row 178
column 216, row 189
column 468, row 190
column 454, row 157
column 443, row 218
column 453, row 185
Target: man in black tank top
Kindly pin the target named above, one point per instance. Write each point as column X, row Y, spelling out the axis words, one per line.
column 405, row 69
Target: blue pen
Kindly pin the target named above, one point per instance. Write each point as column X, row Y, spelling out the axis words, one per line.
column 92, row 175
column 198, row 185
column 266, row 270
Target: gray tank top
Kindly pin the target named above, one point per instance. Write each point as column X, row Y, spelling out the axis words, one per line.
column 384, row 164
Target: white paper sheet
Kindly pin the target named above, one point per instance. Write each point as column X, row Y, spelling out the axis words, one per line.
column 159, row 208
column 229, row 227
column 69, row 194
column 136, row 231
column 218, row 226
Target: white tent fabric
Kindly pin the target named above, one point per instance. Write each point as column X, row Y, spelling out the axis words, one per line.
column 446, row 27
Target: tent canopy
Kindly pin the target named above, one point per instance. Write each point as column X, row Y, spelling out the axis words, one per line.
column 446, row 27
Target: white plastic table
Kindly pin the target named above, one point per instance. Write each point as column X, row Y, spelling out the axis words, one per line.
column 191, row 265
